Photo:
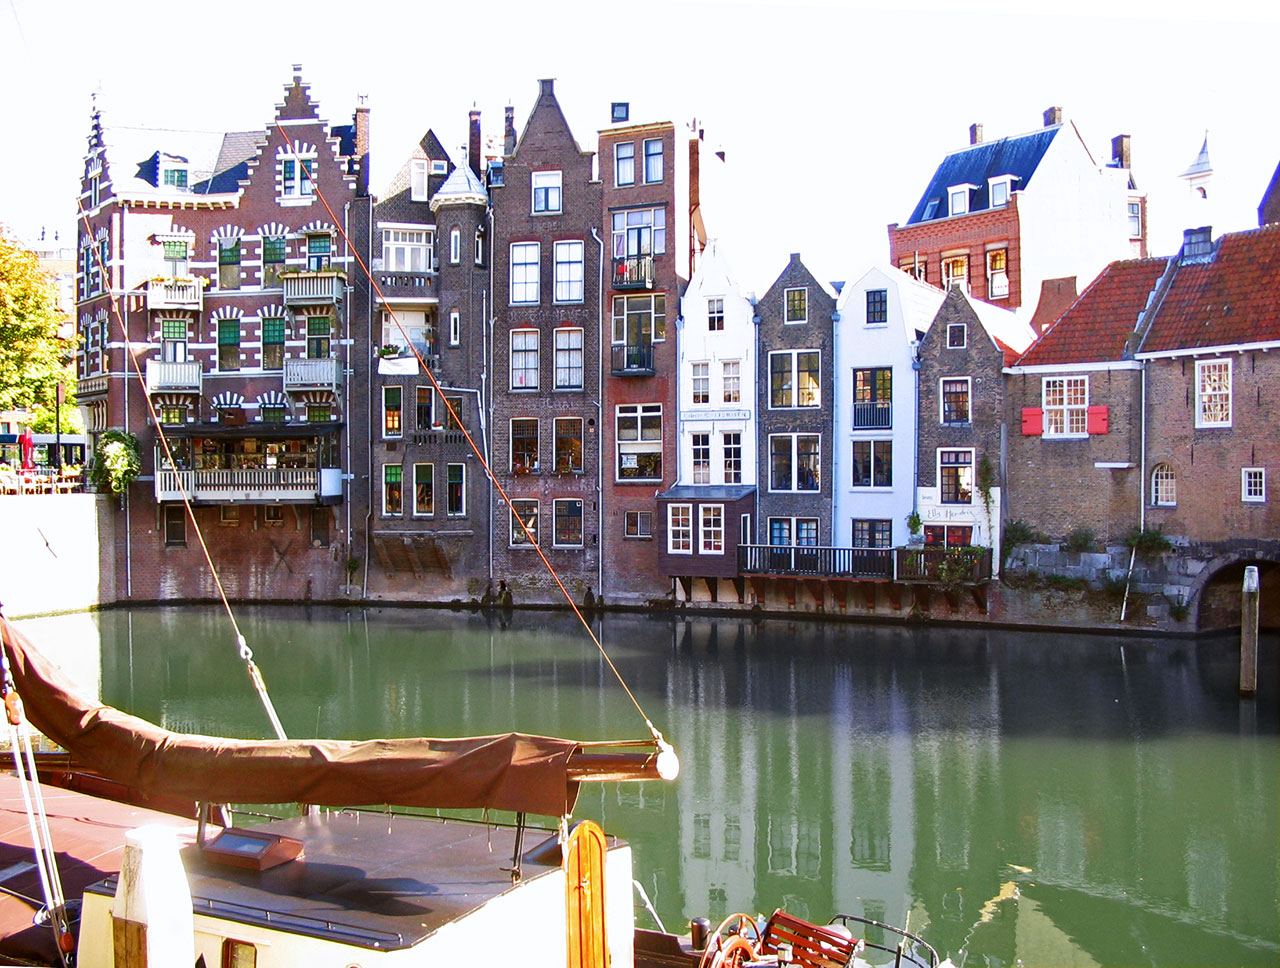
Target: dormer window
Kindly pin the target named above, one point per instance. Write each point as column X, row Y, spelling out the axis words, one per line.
column 439, row 167
column 999, row 189
column 930, row 210
column 175, row 177
column 418, row 191
column 958, row 199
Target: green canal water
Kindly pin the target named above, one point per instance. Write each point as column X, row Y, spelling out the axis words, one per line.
column 1034, row 799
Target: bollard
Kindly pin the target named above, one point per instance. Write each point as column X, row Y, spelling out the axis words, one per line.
column 1249, row 632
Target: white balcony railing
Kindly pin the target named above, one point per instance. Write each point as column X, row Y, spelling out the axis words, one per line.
column 166, row 376
column 321, row 374
column 313, row 288
column 93, row 386
column 247, row 485
column 186, row 293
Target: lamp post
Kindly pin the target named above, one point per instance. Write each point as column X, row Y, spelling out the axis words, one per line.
column 57, row 430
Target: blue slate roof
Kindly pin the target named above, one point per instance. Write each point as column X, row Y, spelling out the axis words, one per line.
column 1018, row 156
column 223, row 181
column 346, row 135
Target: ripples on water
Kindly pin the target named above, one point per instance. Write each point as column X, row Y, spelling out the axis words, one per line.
column 1049, row 798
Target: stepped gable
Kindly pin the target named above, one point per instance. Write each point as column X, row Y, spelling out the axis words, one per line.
column 1097, row 326
column 1228, row 299
column 297, row 104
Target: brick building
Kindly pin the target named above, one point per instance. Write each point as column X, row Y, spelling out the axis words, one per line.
column 1000, row 217
column 215, row 258
column 545, row 358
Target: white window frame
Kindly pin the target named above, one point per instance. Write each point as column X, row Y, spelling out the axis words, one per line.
column 942, row 400
column 386, row 511
column 1067, row 416
column 1164, row 486
column 950, row 278
column 618, row 159
column 391, row 435
column 636, row 414
column 414, row 483
column 711, row 537
column 1003, row 182
column 455, row 327
column 793, row 395
column 700, row 444
column 439, row 166
column 732, row 381
column 700, row 382
column 407, row 250
column 419, row 187
column 570, row 259
column 1204, row 397
column 1253, row 485
column 582, row 517
column 795, row 464
column 649, row 177
column 479, row 253
column 455, row 246
column 786, row 307
column 731, row 454
column 462, row 509
column 535, row 465
column 1134, row 210
column 530, row 358
column 997, row 279
column 630, row 237
column 973, row 472
column 715, row 314
column 958, row 199
column 546, row 191
column 963, row 330
column 642, row 529
column 679, row 529
column 299, row 188
column 517, row 538
column 570, row 357
column 526, row 271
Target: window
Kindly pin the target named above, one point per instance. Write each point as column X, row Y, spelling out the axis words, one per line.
column 731, row 376
column 639, row 320
column 998, row 273
column 272, row 414
column 652, row 161
column 1135, row 220
column 877, row 306
column 479, row 253
column 637, row 524
column 273, row 515
column 406, row 250
column 524, row 523
column 451, row 410
column 1164, row 489
column 392, row 425
column 524, row 359
column 319, row 330
column 318, row 252
column 238, row 954
column 794, row 379
column 524, row 446
column 874, row 533
column 569, row 257
column 639, row 231
column 957, row 336
column 173, row 415
column 624, row 163
column 955, row 474
column 173, row 336
column 228, row 263
column 392, row 489
column 422, row 407
column 680, row 529
column 296, row 177
column 567, row 521
column 455, row 328
column 999, row 192
column 1213, row 393
column 408, row 327
column 439, row 166
column 732, row 443
column 1253, row 485
column 568, row 445
column 455, row 246
column 424, row 494
column 273, row 252
column 175, row 258
column 320, row 518
column 959, row 200
column 228, row 344
column 456, row 491
column 914, row 267
column 546, row 192
column 701, row 458
column 229, row 514
column 872, row 463
column 524, row 272
column 273, row 343
column 948, row 535
column 701, row 382
column 319, row 412
column 804, row 530
column 711, row 529
column 1066, row 406
column 954, row 393
column 955, row 272
column 797, row 305
column 715, row 314
column 873, row 398
column 793, row 462
column 419, row 188
column 569, row 359
column 639, row 436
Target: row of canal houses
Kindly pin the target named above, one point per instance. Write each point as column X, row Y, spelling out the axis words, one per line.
column 352, row 386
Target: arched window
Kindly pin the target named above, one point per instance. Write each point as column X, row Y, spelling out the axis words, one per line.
column 1164, row 486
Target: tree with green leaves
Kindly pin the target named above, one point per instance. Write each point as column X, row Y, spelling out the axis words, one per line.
column 33, row 359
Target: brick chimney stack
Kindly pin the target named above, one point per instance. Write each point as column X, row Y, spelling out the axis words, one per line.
column 1052, row 116
column 509, row 131
column 975, row 134
column 1120, row 151
column 473, row 141
column 362, row 146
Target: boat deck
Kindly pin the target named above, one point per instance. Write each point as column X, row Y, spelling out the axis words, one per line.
column 366, row 879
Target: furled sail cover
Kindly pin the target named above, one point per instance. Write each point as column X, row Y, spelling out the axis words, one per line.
column 513, row 772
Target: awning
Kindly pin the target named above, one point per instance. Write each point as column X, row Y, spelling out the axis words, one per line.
column 707, row 492
column 258, row 431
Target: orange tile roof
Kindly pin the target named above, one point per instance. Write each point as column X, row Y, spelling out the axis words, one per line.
column 1229, row 300
column 1097, row 326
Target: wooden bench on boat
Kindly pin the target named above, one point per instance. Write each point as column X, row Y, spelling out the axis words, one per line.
column 812, row 945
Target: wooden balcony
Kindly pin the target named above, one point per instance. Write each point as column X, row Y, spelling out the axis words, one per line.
column 186, row 293
column 164, row 376
column 323, row 288
column 305, row 375
column 964, row 565
column 258, row 485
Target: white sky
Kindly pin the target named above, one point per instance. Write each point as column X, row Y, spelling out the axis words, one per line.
column 833, row 114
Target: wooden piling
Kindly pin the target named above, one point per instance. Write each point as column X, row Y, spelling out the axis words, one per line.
column 1249, row 632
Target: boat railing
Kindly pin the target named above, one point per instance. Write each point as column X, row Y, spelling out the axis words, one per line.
column 903, row 952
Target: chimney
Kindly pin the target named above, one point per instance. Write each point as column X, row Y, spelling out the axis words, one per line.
column 1120, row 151
column 975, row 134
column 1052, row 116
column 473, row 141
column 547, row 87
column 362, row 146
column 509, row 131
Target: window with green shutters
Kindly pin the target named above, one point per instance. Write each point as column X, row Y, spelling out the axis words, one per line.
column 175, row 257
column 318, row 252
column 392, row 488
column 273, row 415
column 272, row 343
column 228, row 344
column 173, row 340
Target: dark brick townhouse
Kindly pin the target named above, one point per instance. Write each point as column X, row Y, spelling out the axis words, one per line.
column 547, row 250
column 215, row 258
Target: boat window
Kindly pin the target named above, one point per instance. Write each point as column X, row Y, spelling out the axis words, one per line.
column 238, row 954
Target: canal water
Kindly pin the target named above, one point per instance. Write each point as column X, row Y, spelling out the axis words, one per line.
column 1016, row 798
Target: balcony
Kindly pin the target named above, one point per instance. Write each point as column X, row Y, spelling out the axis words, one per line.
column 167, row 377
column 812, row 561
column 921, row 564
column 633, row 272
column 94, row 386
column 632, row 359
column 257, row 485
column 407, row 285
column 313, row 288
column 873, row 415
column 185, row 293
column 306, row 375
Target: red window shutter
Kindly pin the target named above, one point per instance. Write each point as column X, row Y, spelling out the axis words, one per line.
column 1099, row 420
column 1032, row 421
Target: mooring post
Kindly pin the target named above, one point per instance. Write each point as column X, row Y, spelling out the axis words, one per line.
column 1249, row 632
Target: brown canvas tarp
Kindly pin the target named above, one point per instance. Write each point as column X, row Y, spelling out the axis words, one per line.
column 513, row 772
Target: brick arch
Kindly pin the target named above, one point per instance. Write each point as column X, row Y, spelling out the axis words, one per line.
column 1269, row 554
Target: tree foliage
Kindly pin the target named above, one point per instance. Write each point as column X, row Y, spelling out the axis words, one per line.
column 32, row 357
column 116, row 462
